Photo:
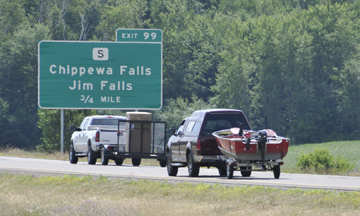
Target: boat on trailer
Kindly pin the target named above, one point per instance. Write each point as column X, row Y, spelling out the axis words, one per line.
column 249, row 150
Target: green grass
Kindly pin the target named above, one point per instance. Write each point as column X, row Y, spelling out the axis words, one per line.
column 73, row 195
column 347, row 149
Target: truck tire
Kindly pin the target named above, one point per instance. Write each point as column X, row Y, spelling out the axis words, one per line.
column 136, row 161
column 222, row 170
column 193, row 168
column 119, row 161
column 72, row 157
column 104, row 158
column 172, row 170
column 91, row 156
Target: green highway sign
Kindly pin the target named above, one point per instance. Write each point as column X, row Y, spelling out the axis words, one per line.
column 139, row 35
column 100, row 75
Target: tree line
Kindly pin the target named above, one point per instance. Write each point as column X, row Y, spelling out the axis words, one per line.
column 290, row 65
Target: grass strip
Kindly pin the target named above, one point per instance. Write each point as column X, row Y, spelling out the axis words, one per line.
column 87, row 195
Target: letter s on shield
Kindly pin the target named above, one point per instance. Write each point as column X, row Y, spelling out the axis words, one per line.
column 100, row 54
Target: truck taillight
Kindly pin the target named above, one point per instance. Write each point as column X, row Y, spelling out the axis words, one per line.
column 198, row 147
column 97, row 136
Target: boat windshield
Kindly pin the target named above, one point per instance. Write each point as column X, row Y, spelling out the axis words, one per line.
column 221, row 121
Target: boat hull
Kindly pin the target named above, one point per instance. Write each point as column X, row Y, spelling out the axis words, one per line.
column 234, row 146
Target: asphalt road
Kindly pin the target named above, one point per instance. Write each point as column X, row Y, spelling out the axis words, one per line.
column 208, row 176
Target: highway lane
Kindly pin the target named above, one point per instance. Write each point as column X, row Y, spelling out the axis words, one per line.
column 207, row 176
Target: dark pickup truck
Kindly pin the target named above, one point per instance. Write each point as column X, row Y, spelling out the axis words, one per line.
column 193, row 144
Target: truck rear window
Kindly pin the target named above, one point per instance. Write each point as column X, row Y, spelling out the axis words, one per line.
column 106, row 122
column 221, row 121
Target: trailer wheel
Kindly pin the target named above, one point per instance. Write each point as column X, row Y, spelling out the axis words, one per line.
column 91, row 156
column 193, row 168
column 277, row 171
column 119, row 161
column 72, row 157
column 172, row 170
column 162, row 162
column 229, row 171
column 136, row 161
column 245, row 173
column 104, row 158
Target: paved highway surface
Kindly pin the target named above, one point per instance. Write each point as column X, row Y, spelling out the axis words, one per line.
column 208, row 176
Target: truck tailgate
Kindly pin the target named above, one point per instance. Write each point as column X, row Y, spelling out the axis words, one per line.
column 111, row 137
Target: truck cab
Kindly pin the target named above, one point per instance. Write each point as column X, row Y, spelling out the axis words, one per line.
column 193, row 144
column 94, row 133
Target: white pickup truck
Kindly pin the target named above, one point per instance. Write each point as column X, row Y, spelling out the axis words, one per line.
column 96, row 137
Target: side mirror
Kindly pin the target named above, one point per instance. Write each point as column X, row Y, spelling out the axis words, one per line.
column 172, row 131
column 73, row 128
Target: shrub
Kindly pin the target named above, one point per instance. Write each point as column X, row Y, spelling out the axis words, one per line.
column 49, row 123
column 321, row 161
column 342, row 165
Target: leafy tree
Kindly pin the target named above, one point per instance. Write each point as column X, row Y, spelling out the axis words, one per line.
column 178, row 109
column 349, row 108
column 123, row 14
column 50, row 125
column 191, row 47
column 289, row 65
column 233, row 77
column 12, row 14
column 173, row 18
column 4, row 119
column 18, row 84
column 284, row 70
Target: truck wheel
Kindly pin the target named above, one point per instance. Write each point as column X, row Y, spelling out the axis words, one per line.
column 222, row 171
column 162, row 162
column 229, row 171
column 91, row 156
column 193, row 168
column 119, row 161
column 277, row 171
column 245, row 173
column 172, row 170
column 136, row 161
column 72, row 157
column 104, row 158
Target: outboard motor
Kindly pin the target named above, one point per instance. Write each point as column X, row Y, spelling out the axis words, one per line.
column 241, row 131
column 262, row 139
column 262, row 136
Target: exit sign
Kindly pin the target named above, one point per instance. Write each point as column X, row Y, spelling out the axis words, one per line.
column 102, row 75
column 139, row 35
